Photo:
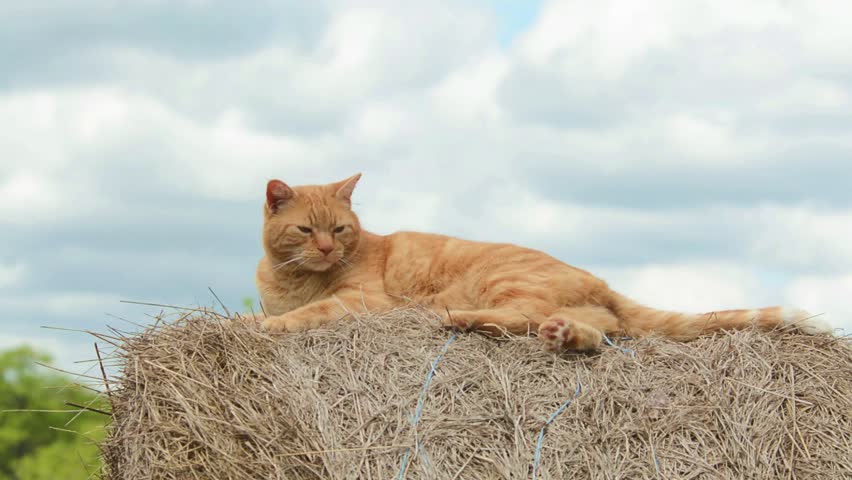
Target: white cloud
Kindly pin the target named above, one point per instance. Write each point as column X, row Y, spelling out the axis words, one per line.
column 379, row 124
column 703, row 84
column 686, row 148
column 828, row 294
column 12, row 274
column 59, row 303
column 26, row 197
column 692, row 137
column 807, row 96
column 801, row 237
column 707, row 286
column 393, row 210
column 613, row 35
column 94, row 135
column 798, row 238
column 365, row 52
column 392, row 45
column 608, row 36
column 469, row 93
column 689, row 287
column 67, row 351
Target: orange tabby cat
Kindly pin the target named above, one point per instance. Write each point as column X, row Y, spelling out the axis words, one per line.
column 320, row 265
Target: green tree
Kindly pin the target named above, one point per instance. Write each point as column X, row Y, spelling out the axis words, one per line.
column 29, row 448
column 248, row 305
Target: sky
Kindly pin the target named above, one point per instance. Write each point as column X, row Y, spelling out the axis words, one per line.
column 696, row 155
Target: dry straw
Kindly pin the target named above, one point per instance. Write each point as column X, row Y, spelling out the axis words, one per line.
column 213, row 398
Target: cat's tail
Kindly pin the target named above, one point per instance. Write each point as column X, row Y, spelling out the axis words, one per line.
column 641, row 320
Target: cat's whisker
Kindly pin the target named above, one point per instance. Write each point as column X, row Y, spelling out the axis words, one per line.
column 285, row 263
column 303, row 262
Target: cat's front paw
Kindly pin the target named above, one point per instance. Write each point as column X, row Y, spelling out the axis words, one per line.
column 252, row 317
column 284, row 323
column 274, row 324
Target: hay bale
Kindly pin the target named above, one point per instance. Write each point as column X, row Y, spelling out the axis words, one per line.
column 208, row 398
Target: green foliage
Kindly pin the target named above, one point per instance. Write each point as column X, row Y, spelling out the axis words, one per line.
column 29, row 448
column 248, row 304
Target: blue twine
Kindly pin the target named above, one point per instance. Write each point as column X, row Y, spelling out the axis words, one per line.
column 404, row 462
column 415, row 419
column 424, row 456
column 623, row 349
column 559, row 410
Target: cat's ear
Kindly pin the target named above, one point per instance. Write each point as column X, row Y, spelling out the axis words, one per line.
column 343, row 189
column 277, row 194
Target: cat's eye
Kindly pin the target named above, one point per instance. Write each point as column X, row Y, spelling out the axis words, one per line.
column 304, row 229
column 339, row 229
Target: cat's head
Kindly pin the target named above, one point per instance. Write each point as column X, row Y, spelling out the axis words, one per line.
column 311, row 227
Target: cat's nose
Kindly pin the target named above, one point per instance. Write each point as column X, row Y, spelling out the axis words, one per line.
column 325, row 249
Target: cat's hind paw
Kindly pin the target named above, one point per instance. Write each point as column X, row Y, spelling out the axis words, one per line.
column 560, row 334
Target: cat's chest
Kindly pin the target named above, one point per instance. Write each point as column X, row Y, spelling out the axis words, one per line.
column 278, row 299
